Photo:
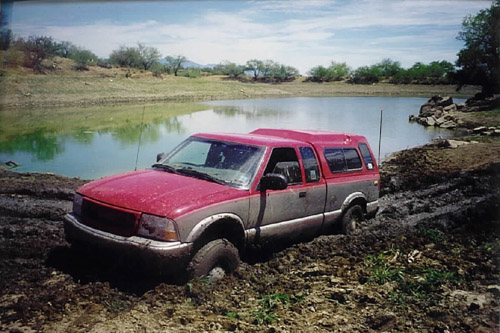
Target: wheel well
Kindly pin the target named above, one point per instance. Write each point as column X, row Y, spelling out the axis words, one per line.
column 358, row 201
column 224, row 228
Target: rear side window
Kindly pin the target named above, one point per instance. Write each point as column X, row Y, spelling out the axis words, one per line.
column 311, row 167
column 342, row 159
column 367, row 157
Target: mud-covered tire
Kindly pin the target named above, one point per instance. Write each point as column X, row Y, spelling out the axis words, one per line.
column 214, row 260
column 351, row 218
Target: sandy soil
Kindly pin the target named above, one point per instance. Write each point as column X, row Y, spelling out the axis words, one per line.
column 428, row 262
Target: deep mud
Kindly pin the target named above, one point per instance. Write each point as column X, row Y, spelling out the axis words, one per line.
column 428, row 262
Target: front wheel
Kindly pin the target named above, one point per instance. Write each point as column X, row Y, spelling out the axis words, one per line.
column 214, row 260
column 352, row 217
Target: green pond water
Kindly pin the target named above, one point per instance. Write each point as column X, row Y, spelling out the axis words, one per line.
column 93, row 142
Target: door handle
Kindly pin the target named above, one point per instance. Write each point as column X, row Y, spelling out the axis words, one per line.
column 302, row 194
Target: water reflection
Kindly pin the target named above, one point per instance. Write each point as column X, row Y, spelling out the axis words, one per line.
column 43, row 146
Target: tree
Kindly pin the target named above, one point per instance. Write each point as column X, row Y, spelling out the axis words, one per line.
column 126, row 57
column 336, row 72
column 148, row 55
column 174, row 63
column 367, row 74
column 389, row 67
column 36, row 49
column 230, row 69
column 479, row 60
column 256, row 66
column 65, row 48
column 83, row 58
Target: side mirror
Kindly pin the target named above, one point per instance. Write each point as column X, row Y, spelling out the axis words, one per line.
column 160, row 156
column 273, row 181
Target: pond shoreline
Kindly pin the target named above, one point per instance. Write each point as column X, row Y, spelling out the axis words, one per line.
column 110, row 86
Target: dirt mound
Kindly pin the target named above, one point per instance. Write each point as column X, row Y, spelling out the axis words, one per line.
column 429, row 261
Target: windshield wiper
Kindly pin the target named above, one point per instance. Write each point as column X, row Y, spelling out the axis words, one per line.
column 165, row 167
column 200, row 175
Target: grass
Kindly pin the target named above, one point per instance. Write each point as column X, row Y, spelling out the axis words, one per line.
column 267, row 305
column 413, row 285
column 433, row 235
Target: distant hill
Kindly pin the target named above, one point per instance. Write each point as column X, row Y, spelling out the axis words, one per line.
column 190, row 64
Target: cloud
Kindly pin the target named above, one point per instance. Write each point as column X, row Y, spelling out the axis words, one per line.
column 302, row 34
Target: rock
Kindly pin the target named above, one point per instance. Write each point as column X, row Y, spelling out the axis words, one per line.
column 450, row 108
column 454, row 143
column 412, row 118
column 426, row 110
column 495, row 133
column 448, row 124
column 473, row 300
column 479, row 129
column 460, row 106
column 430, row 121
column 440, row 121
column 444, row 101
column 494, row 289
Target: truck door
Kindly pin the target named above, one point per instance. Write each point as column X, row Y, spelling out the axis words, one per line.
column 297, row 210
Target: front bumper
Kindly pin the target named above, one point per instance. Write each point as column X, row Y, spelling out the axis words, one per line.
column 162, row 257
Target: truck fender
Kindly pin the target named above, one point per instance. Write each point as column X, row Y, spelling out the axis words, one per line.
column 350, row 198
column 204, row 224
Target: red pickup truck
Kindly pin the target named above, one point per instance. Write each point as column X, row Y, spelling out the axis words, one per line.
column 202, row 204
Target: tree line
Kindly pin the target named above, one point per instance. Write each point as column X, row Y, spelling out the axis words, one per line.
column 436, row 72
column 34, row 49
column 477, row 63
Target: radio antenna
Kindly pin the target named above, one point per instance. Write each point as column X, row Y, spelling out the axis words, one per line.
column 380, row 136
column 140, row 136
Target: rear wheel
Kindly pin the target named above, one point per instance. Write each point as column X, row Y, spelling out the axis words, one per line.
column 214, row 260
column 351, row 219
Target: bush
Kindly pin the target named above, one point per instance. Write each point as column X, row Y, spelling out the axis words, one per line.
column 367, row 75
column 336, row 72
column 36, row 49
column 192, row 73
column 126, row 57
column 83, row 58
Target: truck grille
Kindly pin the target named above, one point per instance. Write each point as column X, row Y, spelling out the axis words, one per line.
column 108, row 219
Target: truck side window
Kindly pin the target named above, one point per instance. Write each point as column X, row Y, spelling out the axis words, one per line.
column 335, row 158
column 342, row 159
column 367, row 157
column 285, row 162
column 352, row 159
column 311, row 167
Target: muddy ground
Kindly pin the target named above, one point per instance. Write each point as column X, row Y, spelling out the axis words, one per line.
column 428, row 262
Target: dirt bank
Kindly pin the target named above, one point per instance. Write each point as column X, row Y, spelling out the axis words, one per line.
column 63, row 86
column 429, row 262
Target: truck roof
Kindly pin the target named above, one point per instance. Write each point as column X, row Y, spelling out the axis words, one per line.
column 312, row 136
column 276, row 137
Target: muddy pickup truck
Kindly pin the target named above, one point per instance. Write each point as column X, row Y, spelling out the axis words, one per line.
column 214, row 195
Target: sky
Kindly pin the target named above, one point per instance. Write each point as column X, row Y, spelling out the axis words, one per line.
column 302, row 34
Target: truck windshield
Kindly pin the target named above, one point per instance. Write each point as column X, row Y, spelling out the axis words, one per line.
column 230, row 163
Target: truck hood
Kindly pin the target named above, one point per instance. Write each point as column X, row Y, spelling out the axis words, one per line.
column 158, row 192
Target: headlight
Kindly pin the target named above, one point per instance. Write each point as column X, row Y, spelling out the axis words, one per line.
column 156, row 227
column 77, row 204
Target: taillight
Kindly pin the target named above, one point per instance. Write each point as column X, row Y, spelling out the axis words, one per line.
column 156, row 227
